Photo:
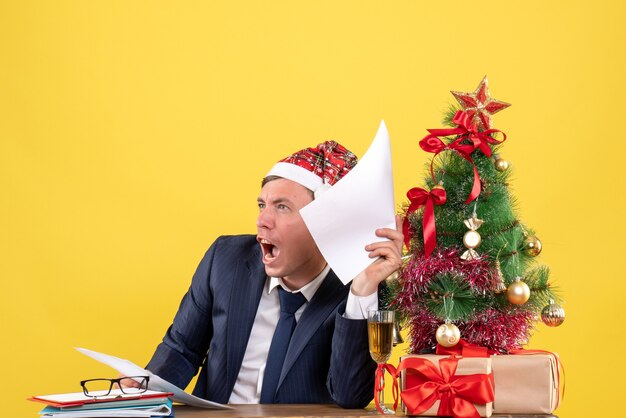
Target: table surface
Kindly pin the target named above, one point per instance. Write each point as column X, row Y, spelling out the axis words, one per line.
column 293, row 411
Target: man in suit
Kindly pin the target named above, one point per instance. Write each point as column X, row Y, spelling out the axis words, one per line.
column 265, row 318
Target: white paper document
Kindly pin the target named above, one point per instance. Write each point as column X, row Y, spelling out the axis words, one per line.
column 156, row 383
column 343, row 220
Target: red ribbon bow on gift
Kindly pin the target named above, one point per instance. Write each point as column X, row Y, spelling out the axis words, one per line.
column 465, row 349
column 457, row 394
column 465, row 130
column 418, row 198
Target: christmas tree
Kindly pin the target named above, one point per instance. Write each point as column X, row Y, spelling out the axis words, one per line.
column 471, row 270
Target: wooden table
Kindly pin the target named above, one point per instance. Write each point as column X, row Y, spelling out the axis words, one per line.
column 294, row 411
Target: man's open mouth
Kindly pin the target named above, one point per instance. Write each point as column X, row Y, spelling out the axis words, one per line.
column 270, row 251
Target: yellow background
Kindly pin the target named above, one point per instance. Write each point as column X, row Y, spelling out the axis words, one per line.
column 133, row 133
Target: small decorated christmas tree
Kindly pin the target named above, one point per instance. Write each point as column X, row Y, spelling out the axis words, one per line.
column 471, row 270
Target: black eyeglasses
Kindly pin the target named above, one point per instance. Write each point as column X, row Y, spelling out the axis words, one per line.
column 127, row 385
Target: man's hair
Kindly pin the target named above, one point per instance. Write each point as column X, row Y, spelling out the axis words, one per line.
column 267, row 179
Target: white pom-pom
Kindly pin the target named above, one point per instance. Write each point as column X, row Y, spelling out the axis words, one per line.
column 321, row 190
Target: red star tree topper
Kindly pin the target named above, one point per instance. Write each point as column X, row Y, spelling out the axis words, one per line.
column 479, row 105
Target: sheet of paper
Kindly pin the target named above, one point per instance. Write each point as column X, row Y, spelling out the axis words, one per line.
column 156, row 383
column 343, row 220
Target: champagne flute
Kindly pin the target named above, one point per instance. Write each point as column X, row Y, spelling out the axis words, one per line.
column 380, row 337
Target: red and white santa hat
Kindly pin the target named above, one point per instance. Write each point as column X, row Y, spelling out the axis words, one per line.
column 316, row 168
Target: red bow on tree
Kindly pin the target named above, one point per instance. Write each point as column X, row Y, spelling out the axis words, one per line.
column 457, row 394
column 418, row 198
column 465, row 130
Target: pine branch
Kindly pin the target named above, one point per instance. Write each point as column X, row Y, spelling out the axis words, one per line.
column 449, row 115
column 540, row 291
column 450, row 298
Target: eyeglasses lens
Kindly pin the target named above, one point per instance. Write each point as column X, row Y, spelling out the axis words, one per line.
column 133, row 385
column 98, row 387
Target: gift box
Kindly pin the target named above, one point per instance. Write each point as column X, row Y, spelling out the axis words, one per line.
column 446, row 385
column 526, row 383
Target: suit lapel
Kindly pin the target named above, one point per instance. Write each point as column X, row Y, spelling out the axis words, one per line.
column 328, row 296
column 248, row 284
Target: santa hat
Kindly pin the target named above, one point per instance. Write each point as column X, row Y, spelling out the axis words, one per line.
column 316, row 168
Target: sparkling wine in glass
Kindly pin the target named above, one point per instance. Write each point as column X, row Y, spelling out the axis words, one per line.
column 380, row 336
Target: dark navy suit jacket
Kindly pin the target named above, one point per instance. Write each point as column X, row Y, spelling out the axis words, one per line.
column 327, row 360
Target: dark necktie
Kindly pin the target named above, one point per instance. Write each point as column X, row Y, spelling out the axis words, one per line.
column 289, row 304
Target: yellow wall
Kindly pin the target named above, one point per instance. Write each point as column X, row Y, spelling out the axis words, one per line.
column 133, row 133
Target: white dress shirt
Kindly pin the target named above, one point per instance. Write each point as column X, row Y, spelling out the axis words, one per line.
column 250, row 379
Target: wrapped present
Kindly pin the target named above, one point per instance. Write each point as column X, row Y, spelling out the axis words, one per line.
column 446, row 385
column 526, row 382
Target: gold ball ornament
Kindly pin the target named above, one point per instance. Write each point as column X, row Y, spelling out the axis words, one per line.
column 518, row 292
column 448, row 335
column 553, row 315
column 501, row 164
column 532, row 246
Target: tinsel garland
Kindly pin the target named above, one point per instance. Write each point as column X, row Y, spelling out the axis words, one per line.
column 499, row 330
column 420, row 271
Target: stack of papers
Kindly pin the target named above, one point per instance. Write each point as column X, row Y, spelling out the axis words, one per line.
column 128, row 368
column 117, row 404
column 155, row 402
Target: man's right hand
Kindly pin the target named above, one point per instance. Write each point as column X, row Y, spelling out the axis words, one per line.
column 389, row 254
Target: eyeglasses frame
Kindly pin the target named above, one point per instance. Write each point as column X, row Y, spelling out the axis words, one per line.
column 112, row 382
